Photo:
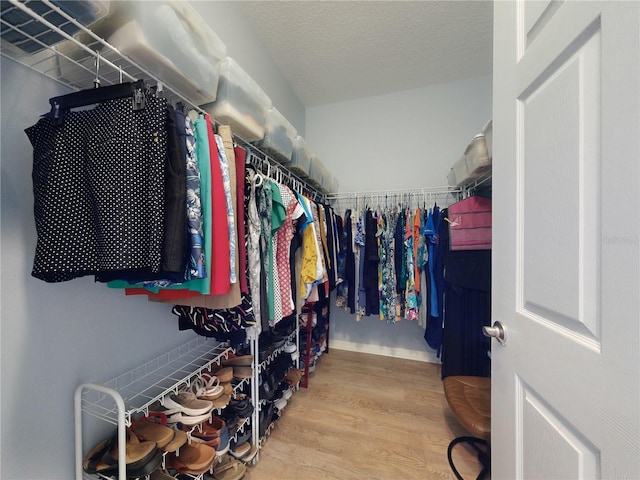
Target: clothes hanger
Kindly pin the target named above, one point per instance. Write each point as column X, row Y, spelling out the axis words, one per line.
column 63, row 103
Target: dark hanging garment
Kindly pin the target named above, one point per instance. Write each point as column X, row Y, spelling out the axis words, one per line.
column 436, row 237
column 99, row 185
column 371, row 264
column 350, row 269
column 464, row 347
column 331, row 271
column 399, row 259
column 467, row 309
column 174, row 259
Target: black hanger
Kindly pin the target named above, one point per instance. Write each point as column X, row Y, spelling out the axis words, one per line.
column 60, row 105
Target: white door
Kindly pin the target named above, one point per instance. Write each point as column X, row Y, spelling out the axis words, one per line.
column 566, row 240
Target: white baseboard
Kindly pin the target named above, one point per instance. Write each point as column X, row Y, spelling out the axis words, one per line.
column 422, row 356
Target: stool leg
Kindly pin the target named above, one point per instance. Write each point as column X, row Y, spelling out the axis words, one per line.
column 483, row 456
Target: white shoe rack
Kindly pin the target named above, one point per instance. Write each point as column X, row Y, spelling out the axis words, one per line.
column 120, row 400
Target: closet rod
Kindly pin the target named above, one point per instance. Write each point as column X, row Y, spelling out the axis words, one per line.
column 278, row 173
column 441, row 191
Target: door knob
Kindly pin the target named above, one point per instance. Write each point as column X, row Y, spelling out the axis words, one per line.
column 497, row 331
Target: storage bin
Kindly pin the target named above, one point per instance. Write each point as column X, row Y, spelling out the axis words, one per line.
column 326, row 183
column 487, row 130
column 172, row 41
column 167, row 38
column 17, row 44
column 478, row 159
column 316, row 171
column 334, row 185
column 459, row 173
column 240, row 103
column 278, row 137
column 300, row 157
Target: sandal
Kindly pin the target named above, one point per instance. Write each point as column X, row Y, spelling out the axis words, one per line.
column 243, row 360
column 207, row 387
column 229, row 469
column 153, row 428
column 179, row 439
column 141, row 458
column 224, row 374
column 195, row 458
column 187, row 403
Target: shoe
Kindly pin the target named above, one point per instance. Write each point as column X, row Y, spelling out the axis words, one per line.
column 141, row 458
column 179, row 439
column 224, row 374
column 242, row 407
column 240, row 450
column 195, row 458
column 280, row 403
column 187, row 403
column 242, row 372
column 243, row 360
column 207, row 387
column 153, row 428
column 287, row 394
column 229, row 469
column 290, row 347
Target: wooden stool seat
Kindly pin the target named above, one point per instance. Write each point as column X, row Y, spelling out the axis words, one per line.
column 470, row 401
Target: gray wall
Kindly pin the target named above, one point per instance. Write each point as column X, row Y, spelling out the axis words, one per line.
column 55, row 336
column 407, row 139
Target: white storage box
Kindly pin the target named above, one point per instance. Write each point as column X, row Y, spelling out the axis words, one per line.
column 241, row 103
column 334, row 185
column 478, row 159
column 459, row 173
column 326, row 182
column 301, row 157
column 172, row 41
column 487, row 130
column 316, row 172
column 278, row 137
column 167, row 38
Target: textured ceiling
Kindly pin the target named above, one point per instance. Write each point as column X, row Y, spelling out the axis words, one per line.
column 332, row 51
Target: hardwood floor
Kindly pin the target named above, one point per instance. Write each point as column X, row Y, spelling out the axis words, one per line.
column 366, row 417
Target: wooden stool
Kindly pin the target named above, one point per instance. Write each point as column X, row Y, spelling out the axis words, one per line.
column 470, row 401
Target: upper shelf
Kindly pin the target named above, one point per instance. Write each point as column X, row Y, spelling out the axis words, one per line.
column 44, row 37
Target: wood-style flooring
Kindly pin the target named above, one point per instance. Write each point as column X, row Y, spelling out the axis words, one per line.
column 366, row 417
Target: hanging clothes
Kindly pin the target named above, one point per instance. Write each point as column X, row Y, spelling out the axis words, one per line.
column 98, row 198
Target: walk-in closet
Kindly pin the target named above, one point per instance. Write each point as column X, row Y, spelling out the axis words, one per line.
column 284, row 240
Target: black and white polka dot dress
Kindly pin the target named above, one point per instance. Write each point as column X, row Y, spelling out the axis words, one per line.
column 98, row 184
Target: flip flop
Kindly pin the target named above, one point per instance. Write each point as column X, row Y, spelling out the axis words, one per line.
column 242, row 360
column 195, row 458
column 103, row 458
column 179, row 439
column 137, row 453
column 224, row 374
column 229, row 469
column 207, row 387
column 187, row 403
column 153, row 428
